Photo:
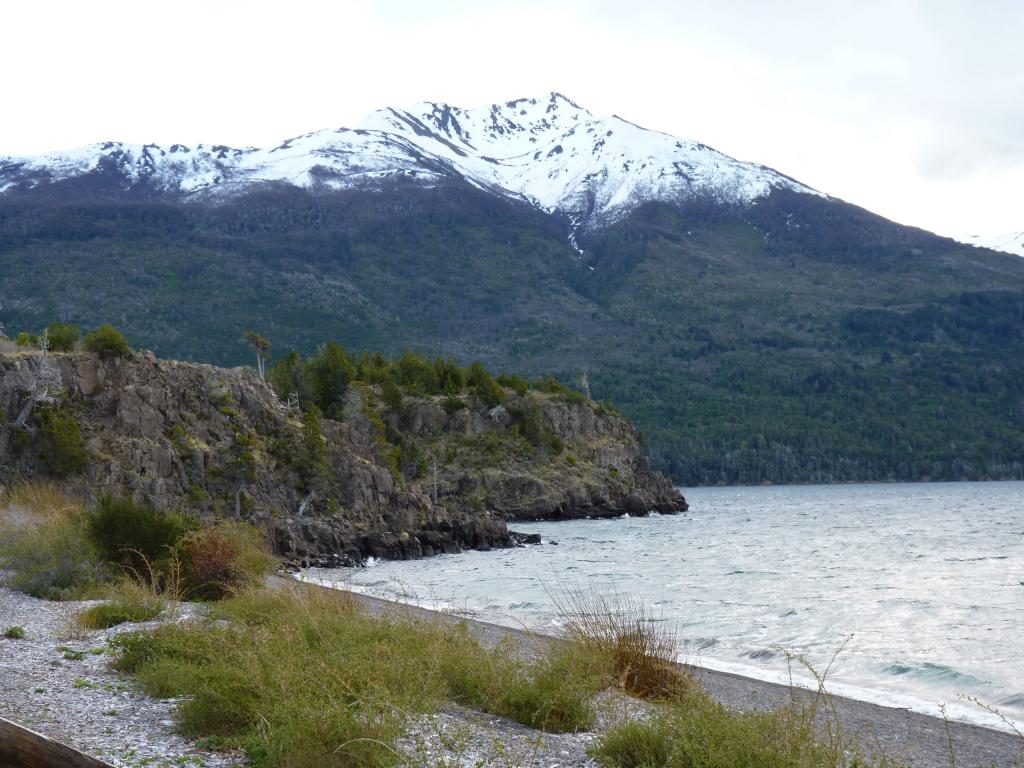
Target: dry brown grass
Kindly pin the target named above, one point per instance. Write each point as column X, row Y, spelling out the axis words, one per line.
column 44, row 545
column 641, row 649
column 33, row 504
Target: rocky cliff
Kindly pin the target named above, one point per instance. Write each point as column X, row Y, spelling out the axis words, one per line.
column 414, row 479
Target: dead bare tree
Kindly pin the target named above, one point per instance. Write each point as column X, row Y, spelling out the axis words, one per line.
column 584, row 384
column 46, row 387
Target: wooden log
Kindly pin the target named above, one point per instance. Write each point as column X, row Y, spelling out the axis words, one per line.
column 22, row 748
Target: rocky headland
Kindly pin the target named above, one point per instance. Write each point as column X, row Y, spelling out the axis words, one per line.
column 424, row 476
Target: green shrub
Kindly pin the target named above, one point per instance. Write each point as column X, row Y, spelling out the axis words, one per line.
column 63, row 337
column 222, row 558
column 527, row 416
column 312, row 461
column 452, row 404
column 391, row 395
column 25, row 339
column 517, row 384
column 328, row 373
column 107, row 341
column 14, row 633
column 138, row 537
column 489, row 392
column 485, row 387
column 551, row 385
column 61, row 447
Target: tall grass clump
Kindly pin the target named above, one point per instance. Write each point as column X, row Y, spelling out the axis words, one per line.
column 298, row 676
column 45, row 545
column 641, row 651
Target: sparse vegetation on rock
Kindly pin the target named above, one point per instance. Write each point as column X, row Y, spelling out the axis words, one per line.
column 353, row 456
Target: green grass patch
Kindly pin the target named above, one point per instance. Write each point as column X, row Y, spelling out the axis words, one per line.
column 696, row 732
column 299, row 677
column 14, row 633
column 130, row 601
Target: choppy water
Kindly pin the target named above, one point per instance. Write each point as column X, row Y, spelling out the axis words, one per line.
column 928, row 578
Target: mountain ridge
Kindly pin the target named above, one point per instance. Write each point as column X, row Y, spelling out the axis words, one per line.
column 549, row 152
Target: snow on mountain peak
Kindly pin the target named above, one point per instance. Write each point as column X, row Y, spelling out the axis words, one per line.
column 548, row 151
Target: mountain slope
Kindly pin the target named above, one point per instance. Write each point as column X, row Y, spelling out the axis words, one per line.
column 784, row 336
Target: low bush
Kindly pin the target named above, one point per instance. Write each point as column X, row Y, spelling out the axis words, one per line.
column 61, row 447
column 14, row 633
column 137, row 537
column 45, row 545
column 62, row 337
column 55, row 550
column 453, row 404
column 222, row 558
column 107, row 341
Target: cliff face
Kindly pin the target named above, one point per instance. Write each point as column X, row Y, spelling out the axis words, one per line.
column 414, row 479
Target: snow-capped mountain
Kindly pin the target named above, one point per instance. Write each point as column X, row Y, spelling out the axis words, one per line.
column 1010, row 243
column 549, row 151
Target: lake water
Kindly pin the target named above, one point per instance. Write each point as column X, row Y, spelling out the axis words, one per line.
column 927, row 578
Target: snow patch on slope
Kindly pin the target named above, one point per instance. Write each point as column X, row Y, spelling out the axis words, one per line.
column 550, row 152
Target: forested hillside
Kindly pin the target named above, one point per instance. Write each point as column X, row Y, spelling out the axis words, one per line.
column 797, row 339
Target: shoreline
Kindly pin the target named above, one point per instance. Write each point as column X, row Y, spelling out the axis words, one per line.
column 81, row 702
column 917, row 739
column 956, row 711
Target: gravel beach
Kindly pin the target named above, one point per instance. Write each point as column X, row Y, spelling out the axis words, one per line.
column 56, row 681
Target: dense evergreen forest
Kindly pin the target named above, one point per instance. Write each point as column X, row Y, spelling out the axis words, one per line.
column 796, row 340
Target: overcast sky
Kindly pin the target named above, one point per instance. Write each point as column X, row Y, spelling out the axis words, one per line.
column 913, row 109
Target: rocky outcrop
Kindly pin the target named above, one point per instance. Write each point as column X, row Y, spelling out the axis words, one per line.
column 218, row 442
